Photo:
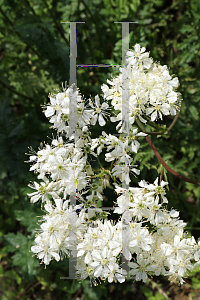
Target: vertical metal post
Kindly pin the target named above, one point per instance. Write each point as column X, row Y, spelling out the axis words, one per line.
column 125, row 122
column 73, row 119
column 125, row 132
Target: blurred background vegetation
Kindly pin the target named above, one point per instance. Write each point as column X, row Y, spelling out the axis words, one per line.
column 34, row 53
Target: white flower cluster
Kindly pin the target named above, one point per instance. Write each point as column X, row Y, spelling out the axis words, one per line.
column 64, row 166
column 167, row 250
column 152, row 91
column 57, row 231
column 69, row 104
column 64, row 170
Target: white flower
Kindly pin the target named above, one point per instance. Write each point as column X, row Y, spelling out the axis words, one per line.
column 180, row 265
column 120, row 152
column 123, row 202
column 159, row 190
column 101, row 262
column 43, row 250
column 116, row 273
column 122, row 172
column 43, row 190
column 142, row 57
column 138, row 269
column 157, row 109
column 139, row 239
column 84, row 114
column 99, row 111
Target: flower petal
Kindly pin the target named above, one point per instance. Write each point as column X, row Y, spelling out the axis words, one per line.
column 101, row 120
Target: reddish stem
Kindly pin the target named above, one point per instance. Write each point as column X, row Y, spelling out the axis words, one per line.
column 167, row 167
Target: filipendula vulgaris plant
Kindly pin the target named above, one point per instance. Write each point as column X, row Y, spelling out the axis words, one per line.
column 63, row 167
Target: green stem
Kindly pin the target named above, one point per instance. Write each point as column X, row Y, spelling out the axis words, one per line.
column 152, row 125
column 155, row 133
column 173, row 123
column 99, row 162
column 12, row 25
column 57, row 25
column 140, row 125
column 157, row 127
column 15, row 92
column 161, row 173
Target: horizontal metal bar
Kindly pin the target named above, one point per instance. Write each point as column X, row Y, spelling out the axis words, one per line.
column 97, row 65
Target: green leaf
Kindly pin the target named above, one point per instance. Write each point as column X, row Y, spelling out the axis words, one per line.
column 23, row 257
column 147, row 292
column 194, row 112
column 94, row 292
column 16, row 130
column 27, row 218
column 195, row 283
column 15, row 241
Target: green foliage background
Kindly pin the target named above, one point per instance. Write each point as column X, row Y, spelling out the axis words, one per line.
column 34, row 49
